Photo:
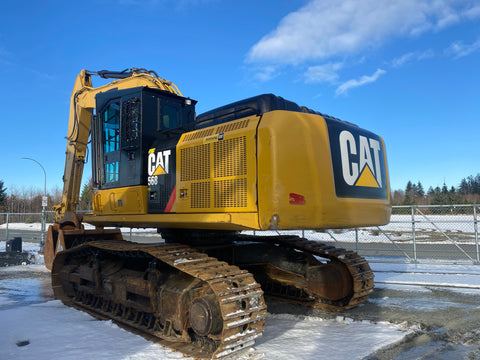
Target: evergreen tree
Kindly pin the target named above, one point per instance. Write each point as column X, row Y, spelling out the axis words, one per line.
column 463, row 188
column 409, row 187
column 409, row 198
column 470, row 185
column 444, row 189
column 3, row 194
column 438, row 198
column 476, row 185
column 414, row 193
column 419, row 190
column 86, row 196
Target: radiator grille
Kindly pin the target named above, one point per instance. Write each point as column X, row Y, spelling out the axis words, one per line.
column 230, row 193
column 199, row 134
column 229, row 157
column 195, row 163
column 200, row 195
column 215, row 173
column 232, row 126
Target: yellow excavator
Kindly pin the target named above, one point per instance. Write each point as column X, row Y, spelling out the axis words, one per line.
column 207, row 183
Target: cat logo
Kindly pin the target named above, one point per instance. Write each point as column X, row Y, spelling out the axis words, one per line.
column 158, row 162
column 366, row 171
column 358, row 161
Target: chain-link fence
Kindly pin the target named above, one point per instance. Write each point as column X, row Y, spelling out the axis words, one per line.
column 427, row 234
column 415, row 234
column 28, row 226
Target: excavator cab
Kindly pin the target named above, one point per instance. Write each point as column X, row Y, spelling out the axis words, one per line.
column 134, row 134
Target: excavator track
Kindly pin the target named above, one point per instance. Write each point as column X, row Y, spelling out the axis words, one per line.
column 348, row 273
column 357, row 266
column 90, row 277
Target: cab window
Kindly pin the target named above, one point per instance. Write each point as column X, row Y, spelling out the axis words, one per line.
column 111, row 142
column 111, row 127
column 169, row 116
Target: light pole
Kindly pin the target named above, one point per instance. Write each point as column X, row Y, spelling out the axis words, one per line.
column 44, row 204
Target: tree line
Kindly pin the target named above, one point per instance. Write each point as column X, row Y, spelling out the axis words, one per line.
column 467, row 192
column 29, row 200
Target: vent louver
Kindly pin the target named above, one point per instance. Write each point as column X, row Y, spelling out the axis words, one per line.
column 229, row 157
column 214, row 169
column 230, row 193
column 195, row 163
column 200, row 195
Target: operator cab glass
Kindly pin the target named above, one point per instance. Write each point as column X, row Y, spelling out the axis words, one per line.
column 128, row 125
column 111, row 139
column 169, row 116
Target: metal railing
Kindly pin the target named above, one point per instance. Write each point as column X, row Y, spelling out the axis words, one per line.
column 423, row 233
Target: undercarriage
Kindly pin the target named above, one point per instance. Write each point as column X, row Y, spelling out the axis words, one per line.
column 208, row 301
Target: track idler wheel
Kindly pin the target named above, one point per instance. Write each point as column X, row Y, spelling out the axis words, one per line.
column 331, row 281
column 205, row 317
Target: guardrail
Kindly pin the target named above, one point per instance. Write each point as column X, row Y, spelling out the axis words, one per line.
column 423, row 233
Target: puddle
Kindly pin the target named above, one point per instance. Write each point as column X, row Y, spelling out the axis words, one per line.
column 417, row 304
column 16, row 292
column 438, row 350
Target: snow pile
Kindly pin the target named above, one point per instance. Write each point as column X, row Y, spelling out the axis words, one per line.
column 48, row 329
column 306, row 338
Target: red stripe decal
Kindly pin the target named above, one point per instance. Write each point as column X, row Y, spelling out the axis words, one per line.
column 296, row 199
column 171, row 200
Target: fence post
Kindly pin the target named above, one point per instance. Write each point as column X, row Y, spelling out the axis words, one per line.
column 413, row 235
column 6, row 229
column 475, row 226
column 44, row 222
column 356, row 240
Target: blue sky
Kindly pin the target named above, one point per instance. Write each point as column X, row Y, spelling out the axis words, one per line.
column 408, row 70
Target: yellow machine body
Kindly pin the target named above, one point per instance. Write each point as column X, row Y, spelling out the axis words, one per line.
column 272, row 171
column 262, row 163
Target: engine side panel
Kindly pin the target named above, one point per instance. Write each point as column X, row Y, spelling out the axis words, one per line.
column 298, row 187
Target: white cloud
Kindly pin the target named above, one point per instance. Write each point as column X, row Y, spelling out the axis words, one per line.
column 458, row 49
column 324, row 29
column 473, row 12
column 323, row 73
column 402, row 60
column 266, row 73
column 411, row 57
column 353, row 83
